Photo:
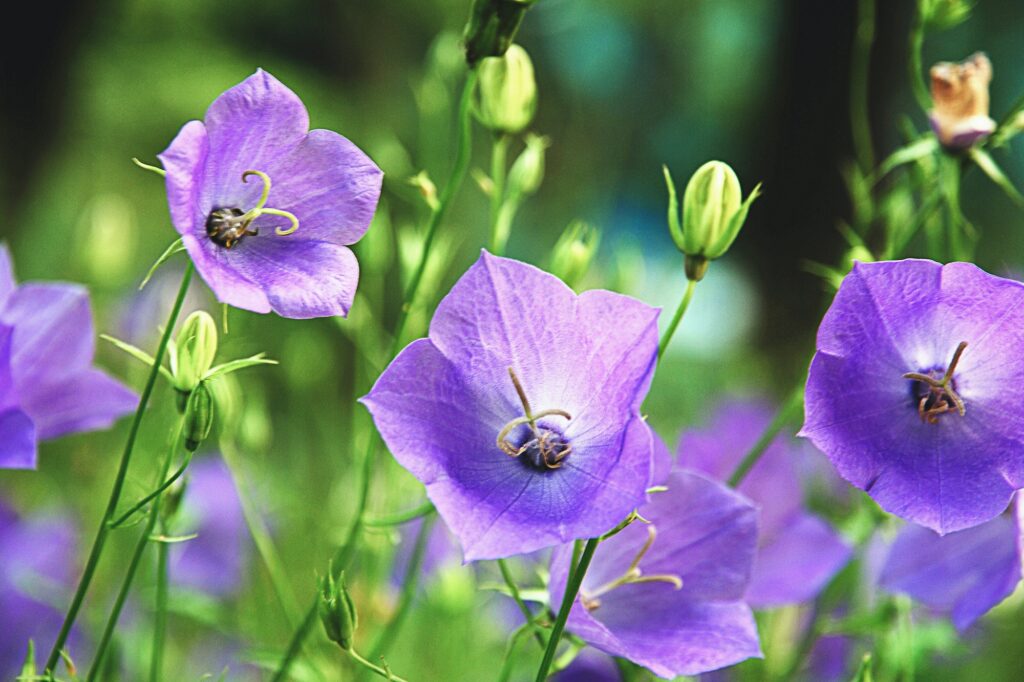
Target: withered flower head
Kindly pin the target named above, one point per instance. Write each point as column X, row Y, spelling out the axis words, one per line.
column 960, row 94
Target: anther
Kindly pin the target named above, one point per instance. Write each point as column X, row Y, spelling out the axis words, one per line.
column 544, row 448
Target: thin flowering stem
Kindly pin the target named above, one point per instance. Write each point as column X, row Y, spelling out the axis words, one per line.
column 375, row 669
column 917, row 84
column 691, row 285
column 513, row 590
column 122, row 471
column 499, row 160
column 788, row 411
column 133, row 564
column 572, row 588
column 861, row 65
column 410, row 581
column 156, row 660
column 123, row 518
column 400, row 518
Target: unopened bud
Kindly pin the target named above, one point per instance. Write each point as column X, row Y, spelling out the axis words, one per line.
column 507, row 91
column 336, row 610
column 527, row 170
column 195, row 349
column 574, row 252
column 713, row 213
column 492, row 27
column 940, row 15
column 960, row 96
column 198, row 417
column 427, row 188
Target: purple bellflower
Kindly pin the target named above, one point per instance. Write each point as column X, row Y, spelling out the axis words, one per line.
column 668, row 595
column 520, row 412
column 36, row 570
column 215, row 560
column 962, row 574
column 267, row 207
column 910, row 393
column 590, row 665
column 48, row 387
column 798, row 553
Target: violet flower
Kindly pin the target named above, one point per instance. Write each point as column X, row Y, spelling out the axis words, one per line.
column 962, row 574
column 590, row 665
column 48, row 387
column 910, row 393
column 36, row 572
column 668, row 595
column 266, row 207
column 520, row 412
column 798, row 553
column 215, row 560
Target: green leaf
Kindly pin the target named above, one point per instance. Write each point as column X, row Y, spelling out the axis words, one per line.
column 989, row 166
column 235, row 365
column 176, row 247
column 916, row 150
column 674, row 226
column 136, row 353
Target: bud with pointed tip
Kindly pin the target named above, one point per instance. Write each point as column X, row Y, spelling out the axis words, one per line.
column 574, row 252
column 492, row 27
column 940, row 15
column 960, row 94
column 713, row 212
column 336, row 610
column 198, row 419
column 507, row 92
column 194, row 351
column 527, row 170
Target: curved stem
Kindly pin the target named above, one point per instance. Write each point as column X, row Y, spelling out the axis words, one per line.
column 860, row 68
column 514, row 591
column 133, row 566
column 572, row 588
column 409, row 583
column 376, row 669
column 499, row 160
column 788, row 411
column 401, row 517
column 122, row 471
column 691, row 285
column 917, row 84
column 156, row 661
column 116, row 523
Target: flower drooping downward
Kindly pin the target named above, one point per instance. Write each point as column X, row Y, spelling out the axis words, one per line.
column 266, row 207
column 520, row 412
column 48, row 387
column 960, row 93
column 911, row 393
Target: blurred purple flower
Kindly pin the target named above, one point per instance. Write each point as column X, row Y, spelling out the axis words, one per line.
column 37, row 567
column 797, row 553
column 239, row 236
column 677, row 607
column 213, row 562
column 447, row 401
column 963, row 574
column 590, row 666
column 441, row 550
column 48, row 387
column 944, row 447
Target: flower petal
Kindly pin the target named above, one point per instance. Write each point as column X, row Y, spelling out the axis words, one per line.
column 7, row 283
column 86, row 401
column 18, row 434
column 53, row 333
column 183, row 161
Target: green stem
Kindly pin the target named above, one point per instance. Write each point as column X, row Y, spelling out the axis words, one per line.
column 409, row 583
column 376, row 669
column 572, row 588
column 133, row 566
column 156, row 660
column 859, row 85
column 917, row 83
column 261, row 536
column 122, row 471
column 145, row 500
column 458, row 174
column 514, row 591
column 506, row 663
column 788, row 411
column 499, row 161
column 400, row 518
column 691, row 285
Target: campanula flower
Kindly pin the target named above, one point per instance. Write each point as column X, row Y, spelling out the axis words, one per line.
column 911, row 391
column 48, row 386
column 962, row 574
column 798, row 553
column 520, row 411
column 668, row 595
column 266, row 207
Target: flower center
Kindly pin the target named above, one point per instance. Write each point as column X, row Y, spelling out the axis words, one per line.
column 227, row 226
column 934, row 391
column 591, row 599
column 539, row 446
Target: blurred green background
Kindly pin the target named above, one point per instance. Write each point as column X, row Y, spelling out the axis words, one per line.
column 625, row 86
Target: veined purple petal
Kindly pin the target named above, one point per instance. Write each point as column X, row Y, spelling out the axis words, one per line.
column 892, row 318
column 86, row 401
column 53, row 333
column 7, row 283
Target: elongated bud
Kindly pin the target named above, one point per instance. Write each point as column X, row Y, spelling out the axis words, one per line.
column 198, row 417
column 195, row 349
column 960, row 94
column 527, row 170
column 713, row 213
column 336, row 610
column 940, row 15
column 492, row 27
column 507, row 92
column 574, row 252
column 28, row 667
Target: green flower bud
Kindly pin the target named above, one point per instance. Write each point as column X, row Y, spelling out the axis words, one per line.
column 713, row 213
column 574, row 252
column 527, row 170
column 198, row 417
column 940, row 15
column 507, row 92
column 336, row 610
column 194, row 350
column 492, row 27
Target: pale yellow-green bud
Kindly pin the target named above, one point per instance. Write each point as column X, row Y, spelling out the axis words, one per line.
column 507, row 92
column 198, row 417
column 194, row 351
column 944, row 14
column 336, row 610
column 574, row 252
column 527, row 170
column 713, row 213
